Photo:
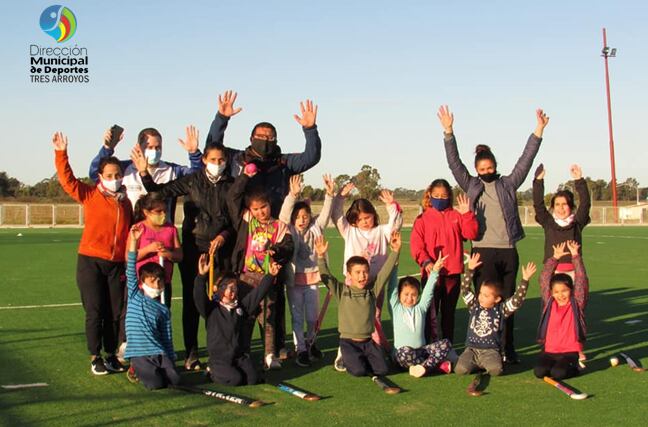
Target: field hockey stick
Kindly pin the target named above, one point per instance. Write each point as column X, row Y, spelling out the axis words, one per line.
column 298, row 392
column 566, row 389
column 232, row 398
column 320, row 317
column 164, row 289
column 633, row 364
column 210, row 291
column 385, row 385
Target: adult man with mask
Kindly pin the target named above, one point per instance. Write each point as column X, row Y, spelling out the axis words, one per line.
column 274, row 169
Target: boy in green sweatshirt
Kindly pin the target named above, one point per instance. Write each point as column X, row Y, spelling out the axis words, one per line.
column 357, row 307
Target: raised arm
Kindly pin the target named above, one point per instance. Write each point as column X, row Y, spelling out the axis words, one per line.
column 301, row 162
column 201, row 300
column 458, row 169
column 333, row 285
column 395, row 221
column 190, row 145
column 75, row 188
column 542, row 215
column 337, row 209
column 235, row 199
column 512, row 304
column 581, row 282
column 388, row 267
column 106, row 150
column 466, row 283
column 131, row 263
column 584, row 200
column 325, row 214
column 295, row 188
column 226, row 110
column 469, row 226
column 524, row 163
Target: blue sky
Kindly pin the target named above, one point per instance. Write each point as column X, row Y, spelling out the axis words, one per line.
column 378, row 71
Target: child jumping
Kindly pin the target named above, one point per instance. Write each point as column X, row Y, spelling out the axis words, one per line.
column 364, row 236
column 148, row 322
column 261, row 240
column 488, row 315
column 408, row 316
column 357, row 307
column 302, row 273
column 226, row 316
column 562, row 326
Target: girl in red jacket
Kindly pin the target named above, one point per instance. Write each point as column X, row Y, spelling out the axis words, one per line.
column 442, row 229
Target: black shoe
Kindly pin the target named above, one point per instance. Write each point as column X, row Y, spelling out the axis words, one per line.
column 511, row 358
column 302, row 359
column 98, row 367
column 112, row 364
column 315, row 352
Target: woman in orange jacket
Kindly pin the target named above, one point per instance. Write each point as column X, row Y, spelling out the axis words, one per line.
column 100, row 263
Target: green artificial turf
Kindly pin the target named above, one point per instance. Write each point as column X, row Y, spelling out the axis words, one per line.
column 48, row 345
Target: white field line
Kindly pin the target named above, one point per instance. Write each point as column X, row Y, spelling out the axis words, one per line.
column 78, row 304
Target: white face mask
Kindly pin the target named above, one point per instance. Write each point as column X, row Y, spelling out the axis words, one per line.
column 216, row 170
column 111, row 184
column 151, row 292
column 152, row 156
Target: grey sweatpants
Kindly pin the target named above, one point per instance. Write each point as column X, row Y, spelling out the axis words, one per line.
column 489, row 359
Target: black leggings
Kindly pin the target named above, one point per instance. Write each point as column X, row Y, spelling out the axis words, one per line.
column 501, row 265
column 558, row 366
column 101, row 284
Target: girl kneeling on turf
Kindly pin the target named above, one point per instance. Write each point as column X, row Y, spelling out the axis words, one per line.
column 226, row 318
column 408, row 316
column 562, row 325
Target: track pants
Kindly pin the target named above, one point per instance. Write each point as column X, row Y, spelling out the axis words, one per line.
column 363, row 358
column 558, row 366
column 240, row 371
column 155, row 371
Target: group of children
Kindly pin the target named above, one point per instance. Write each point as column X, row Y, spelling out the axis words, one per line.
column 268, row 253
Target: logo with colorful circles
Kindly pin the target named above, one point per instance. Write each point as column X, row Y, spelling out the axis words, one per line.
column 59, row 22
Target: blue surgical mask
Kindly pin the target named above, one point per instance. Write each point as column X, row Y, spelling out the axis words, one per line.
column 440, row 204
column 152, row 156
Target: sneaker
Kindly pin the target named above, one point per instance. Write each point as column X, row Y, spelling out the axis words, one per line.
column 192, row 363
column 285, row 354
column 417, row 371
column 315, row 352
column 445, row 367
column 339, row 363
column 120, row 353
column 302, row 359
column 271, row 362
column 131, row 375
column 98, row 367
column 113, row 365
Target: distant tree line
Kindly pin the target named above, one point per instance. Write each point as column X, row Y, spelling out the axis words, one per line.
column 367, row 182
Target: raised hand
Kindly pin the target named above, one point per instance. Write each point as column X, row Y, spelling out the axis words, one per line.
column 308, row 114
column 136, row 232
column 191, row 142
column 539, row 173
column 329, row 184
column 463, row 204
column 321, row 246
column 387, row 197
column 203, row 264
column 274, row 268
column 559, row 250
column 295, row 185
column 542, row 121
column 139, row 161
column 226, row 104
column 347, row 189
column 573, row 247
column 528, row 271
column 474, row 261
column 59, row 141
column 440, row 262
column 575, row 172
column 446, row 118
column 395, row 241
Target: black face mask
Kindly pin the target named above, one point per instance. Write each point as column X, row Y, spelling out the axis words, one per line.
column 489, row 177
column 263, row 147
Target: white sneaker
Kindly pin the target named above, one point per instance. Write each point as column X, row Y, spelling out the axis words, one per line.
column 271, row 362
column 285, row 354
column 417, row 371
column 120, row 353
column 339, row 362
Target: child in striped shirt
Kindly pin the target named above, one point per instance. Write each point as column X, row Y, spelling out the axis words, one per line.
column 148, row 322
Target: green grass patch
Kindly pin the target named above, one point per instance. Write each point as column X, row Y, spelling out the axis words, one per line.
column 48, row 345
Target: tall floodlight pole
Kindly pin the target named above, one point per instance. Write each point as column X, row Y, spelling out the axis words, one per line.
column 608, row 52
